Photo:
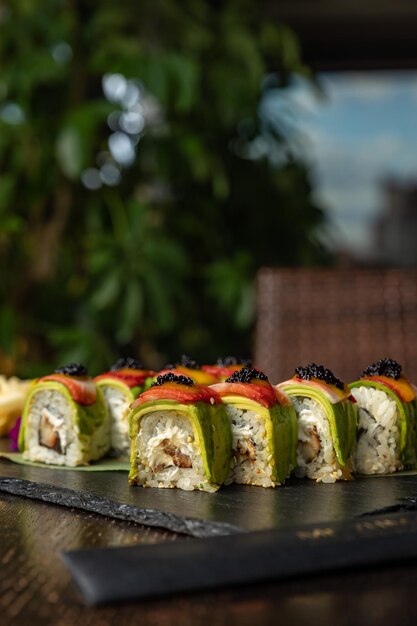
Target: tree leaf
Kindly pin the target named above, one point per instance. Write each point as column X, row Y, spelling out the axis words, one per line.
column 69, row 152
column 107, row 291
column 130, row 317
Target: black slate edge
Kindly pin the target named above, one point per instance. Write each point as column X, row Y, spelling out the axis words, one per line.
column 86, row 501
column 106, row 575
column 406, row 505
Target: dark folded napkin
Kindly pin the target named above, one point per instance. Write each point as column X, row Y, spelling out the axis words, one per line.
column 136, row 572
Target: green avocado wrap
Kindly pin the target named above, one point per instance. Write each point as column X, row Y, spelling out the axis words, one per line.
column 264, row 429
column 386, row 436
column 180, row 436
column 121, row 386
column 65, row 421
column 327, row 419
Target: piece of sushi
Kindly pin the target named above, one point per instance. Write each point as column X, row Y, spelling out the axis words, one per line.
column 386, row 436
column 186, row 366
column 327, row 419
column 226, row 366
column 65, row 419
column 264, row 429
column 121, row 386
column 180, row 436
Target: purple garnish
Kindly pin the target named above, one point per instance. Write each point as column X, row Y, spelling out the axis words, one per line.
column 14, row 435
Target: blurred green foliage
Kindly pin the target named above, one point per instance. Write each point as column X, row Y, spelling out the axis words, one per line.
column 163, row 262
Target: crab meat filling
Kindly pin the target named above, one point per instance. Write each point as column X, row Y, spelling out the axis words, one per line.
column 173, row 455
column 309, row 449
column 52, row 432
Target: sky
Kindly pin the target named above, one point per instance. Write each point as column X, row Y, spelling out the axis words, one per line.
column 359, row 130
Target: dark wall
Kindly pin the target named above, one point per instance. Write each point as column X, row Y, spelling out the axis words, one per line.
column 352, row 35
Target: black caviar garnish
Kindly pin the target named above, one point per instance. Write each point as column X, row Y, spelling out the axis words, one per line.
column 72, row 369
column 126, row 362
column 312, row 370
column 169, row 377
column 246, row 375
column 185, row 361
column 384, row 367
column 233, row 360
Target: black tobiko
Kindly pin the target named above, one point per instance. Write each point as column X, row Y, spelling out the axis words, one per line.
column 72, row 369
column 169, row 377
column 126, row 362
column 312, row 370
column 185, row 361
column 227, row 361
column 384, row 367
column 246, row 375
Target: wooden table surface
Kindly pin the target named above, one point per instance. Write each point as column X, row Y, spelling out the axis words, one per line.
column 35, row 587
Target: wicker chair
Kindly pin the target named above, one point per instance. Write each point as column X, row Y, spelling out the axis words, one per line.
column 344, row 319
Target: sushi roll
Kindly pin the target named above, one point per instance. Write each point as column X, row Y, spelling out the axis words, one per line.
column 386, row 436
column 326, row 423
column 186, row 366
column 264, row 429
column 180, row 436
column 65, row 419
column 226, row 366
column 121, row 386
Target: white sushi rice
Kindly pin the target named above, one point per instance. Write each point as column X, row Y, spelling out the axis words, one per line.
column 252, row 458
column 316, row 457
column 168, row 453
column 378, row 436
column 50, row 409
column 118, row 404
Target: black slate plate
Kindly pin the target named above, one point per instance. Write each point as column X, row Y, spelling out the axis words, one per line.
column 232, row 509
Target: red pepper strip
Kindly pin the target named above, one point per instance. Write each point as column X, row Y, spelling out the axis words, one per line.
column 198, row 376
column 82, row 390
column 265, row 394
column 332, row 393
column 221, row 372
column 183, row 394
column 131, row 377
column 402, row 387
